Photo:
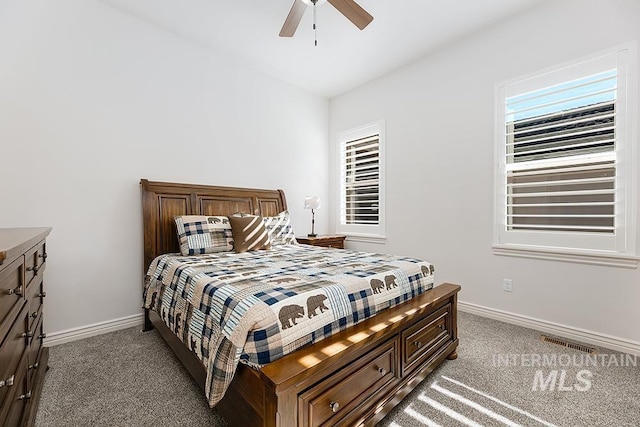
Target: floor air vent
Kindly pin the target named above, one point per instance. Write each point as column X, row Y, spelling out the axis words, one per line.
column 565, row 343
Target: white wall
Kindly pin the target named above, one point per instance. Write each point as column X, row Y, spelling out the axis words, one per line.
column 439, row 167
column 92, row 100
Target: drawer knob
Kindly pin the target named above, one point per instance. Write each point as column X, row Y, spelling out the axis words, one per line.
column 27, row 335
column 418, row 344
column 8, row 382
column 34, row 314
column 334, row 406
column 16, row 291
column 42, row 294
column 34, row 269
column 42, row 336
column 25, row 396
column 382, row 372
column 34, row 366
column 43, row 256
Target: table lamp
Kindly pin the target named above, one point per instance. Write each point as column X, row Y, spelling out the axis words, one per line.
column 312, row 202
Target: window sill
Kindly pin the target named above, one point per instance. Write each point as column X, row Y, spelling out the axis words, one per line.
column 550, row 254
column 366, row 239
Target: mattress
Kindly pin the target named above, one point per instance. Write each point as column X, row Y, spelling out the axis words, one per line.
column 255, row 307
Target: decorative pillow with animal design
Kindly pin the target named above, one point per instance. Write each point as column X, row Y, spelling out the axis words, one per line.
column 249, row 233
column 200, row 234
column 280, row 230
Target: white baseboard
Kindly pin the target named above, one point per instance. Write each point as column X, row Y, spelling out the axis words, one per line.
column 574, row 334
column 74, row 334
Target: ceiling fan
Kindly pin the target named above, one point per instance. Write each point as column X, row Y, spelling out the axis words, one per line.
column 349, row 8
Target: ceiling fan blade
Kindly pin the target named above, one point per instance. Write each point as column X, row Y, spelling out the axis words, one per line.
column 293, row 19
column 353, row 12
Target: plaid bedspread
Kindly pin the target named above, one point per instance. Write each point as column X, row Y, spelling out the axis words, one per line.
column 255, row 307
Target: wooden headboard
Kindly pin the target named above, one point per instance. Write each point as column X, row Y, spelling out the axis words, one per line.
column 162, row 201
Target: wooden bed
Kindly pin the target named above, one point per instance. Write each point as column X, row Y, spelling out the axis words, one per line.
column 352, row 378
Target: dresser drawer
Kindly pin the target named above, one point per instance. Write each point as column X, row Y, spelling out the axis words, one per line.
column 422, row 340
column 41, row 255
column 350, row 388
column 35, row 348
column 12, row 292
column 12, row 410
column 35, row 297
column 11, row 351
column 34, row 262
column 337, row 242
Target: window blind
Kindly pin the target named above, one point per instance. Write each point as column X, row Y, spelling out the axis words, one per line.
column 561, row 157
column 360, row 169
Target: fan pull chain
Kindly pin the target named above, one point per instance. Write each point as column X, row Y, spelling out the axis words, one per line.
column 315, row 27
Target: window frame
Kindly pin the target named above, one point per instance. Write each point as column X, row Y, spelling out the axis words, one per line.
column 362, row 232
column 618, row 249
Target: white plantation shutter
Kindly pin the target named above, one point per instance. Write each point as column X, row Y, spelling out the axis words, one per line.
column 361, row 181
column 563, row 158
column 361, row 166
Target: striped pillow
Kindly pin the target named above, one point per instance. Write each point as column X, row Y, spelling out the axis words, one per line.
column 200, row 234
column 249, row 233
column 280, row 230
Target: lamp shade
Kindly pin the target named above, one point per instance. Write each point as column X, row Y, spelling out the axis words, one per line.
column 312, row 202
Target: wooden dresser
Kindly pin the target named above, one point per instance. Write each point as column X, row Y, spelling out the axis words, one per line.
column 23, row 359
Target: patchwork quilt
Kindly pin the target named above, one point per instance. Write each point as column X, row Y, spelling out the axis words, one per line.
column 255, row 307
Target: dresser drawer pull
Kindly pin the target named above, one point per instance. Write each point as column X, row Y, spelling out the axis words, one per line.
column 17, row 291
column 382, row 372
column 441, row 327
column 334, row 406
column 34, row 269
column 43, row 256
column 34, row 314
column 27, row 335
column 418, row 344
column 42, row 336
column 8, row 382
column 34, row 366
column 25, row 396
column 42, row 294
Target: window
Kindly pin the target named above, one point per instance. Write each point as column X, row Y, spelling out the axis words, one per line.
column 361, row 185
column 565, row 161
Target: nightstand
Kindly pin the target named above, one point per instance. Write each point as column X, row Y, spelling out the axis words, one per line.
column 325, row 241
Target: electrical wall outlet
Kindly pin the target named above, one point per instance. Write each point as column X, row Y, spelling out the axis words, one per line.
column 507, row 285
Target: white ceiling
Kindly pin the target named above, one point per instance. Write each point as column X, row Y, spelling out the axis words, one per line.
column 401, row 32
